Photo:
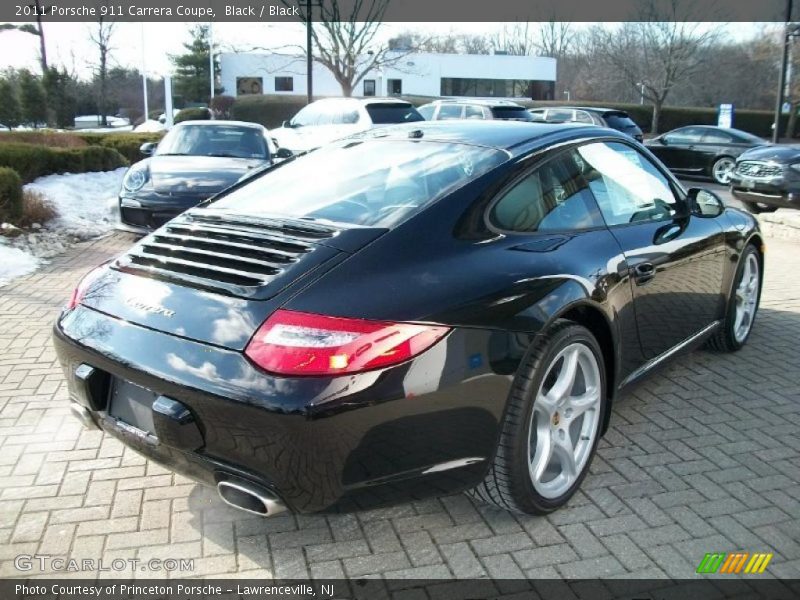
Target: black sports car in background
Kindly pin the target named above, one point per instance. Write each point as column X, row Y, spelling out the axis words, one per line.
column 194, row 161
column 703, row 150
column 768, row 178
column 411, row 311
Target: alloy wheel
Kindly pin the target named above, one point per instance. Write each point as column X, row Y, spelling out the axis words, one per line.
column 564, row 420
column 722, row 170
column 746, row 298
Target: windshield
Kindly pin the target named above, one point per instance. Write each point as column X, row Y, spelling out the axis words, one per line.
column 385, row 114
column 214, row 140
column 371, row 182
column 511, row 112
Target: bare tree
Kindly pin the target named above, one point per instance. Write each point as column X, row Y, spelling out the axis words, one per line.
column 657, row 53
column 36, row 30
column 449, row 43
column 101, row 37
column 347, row 44
column 518, row 39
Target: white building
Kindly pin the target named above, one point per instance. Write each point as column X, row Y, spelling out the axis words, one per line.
column 481, row 75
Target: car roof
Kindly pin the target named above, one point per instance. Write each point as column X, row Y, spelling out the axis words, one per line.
column 210, row 122
column 364, row 101
column 596, row 109
column 513, row 136
column 481, row 101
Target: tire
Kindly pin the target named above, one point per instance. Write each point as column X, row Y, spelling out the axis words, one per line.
column 729, row 337
column 510, row 482
column 758, row 208
column 721, row 169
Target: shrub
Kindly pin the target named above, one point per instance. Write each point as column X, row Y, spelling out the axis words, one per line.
column 10, row 194
column 222, row 104
column 35, row 209
column 127, row 144
column 32, row 161
column 269, row 111
column 44, row 137
column 193, row 114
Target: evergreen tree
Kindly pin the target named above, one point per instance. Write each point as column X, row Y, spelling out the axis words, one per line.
column 191, row 81
column 32, row 98
column 61, row 96
column 9, row 107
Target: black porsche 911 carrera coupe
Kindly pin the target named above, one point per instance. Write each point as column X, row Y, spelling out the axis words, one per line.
column 194, row 161
column 412, row 311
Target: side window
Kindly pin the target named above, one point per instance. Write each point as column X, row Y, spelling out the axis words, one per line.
column 559, row 115
column 471, row 111
column 450, row 111
column 684, row 135
column 715, row 136
column 554, row 197
column 627, row 186
column 349, row 116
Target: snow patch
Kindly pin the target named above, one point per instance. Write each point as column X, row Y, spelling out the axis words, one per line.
column 83, row 201
column 15, row 263
column 87, row 208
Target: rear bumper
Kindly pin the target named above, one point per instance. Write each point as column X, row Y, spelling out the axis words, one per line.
column 426, row 427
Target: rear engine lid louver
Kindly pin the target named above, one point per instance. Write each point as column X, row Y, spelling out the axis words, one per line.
column 235, row 255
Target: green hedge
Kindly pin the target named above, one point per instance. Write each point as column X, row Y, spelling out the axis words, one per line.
column 270, row 111
column 127, row 144
column 32, row 161
column 192, row 114
column 10, row 195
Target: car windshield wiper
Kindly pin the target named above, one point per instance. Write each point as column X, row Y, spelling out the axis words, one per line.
column 231, row 155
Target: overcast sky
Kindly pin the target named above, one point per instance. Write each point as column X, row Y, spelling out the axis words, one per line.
column 68, row 44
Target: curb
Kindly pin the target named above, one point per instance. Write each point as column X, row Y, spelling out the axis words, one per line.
column 781, row 224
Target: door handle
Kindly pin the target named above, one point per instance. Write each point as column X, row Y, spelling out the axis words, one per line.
column 644, row 272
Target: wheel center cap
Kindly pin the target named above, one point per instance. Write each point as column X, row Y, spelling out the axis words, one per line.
column 556, row 419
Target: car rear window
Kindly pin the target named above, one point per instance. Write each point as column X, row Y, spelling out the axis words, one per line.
column 619, row 120
column 385, row 114
column 369, row 182
column 511, row 112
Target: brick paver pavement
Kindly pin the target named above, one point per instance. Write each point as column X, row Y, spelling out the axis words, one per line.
column 705, row 456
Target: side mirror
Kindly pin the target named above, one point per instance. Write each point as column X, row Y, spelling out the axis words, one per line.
column 287, row 124
column 148, row 148
column 284, row 153
column 705, row 203
column 662, row 139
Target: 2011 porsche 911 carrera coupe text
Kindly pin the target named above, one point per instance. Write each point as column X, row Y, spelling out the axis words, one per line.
column 419, row 310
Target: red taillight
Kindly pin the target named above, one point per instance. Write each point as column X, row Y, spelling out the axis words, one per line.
column 297, row 343
column 80, row 290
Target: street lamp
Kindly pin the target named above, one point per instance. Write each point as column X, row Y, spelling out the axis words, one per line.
column 641, row 92
column 790, row 30
column 566, row 93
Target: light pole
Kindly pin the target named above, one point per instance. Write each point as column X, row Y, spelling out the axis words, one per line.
column 211, row 56
column 787, row 36
column 144, row 79
column 566, row 93
column 309, row 55
column 641, row 92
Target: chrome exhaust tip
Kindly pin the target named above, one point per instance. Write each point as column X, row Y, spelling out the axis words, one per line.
column 252, row 500
column 83, row 415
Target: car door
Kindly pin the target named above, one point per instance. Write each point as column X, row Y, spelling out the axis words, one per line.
column 675, row 262
column 548, row 212
column 677, row 148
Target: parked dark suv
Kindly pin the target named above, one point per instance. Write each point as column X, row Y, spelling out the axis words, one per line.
column 604, row 117
column 480, row 109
